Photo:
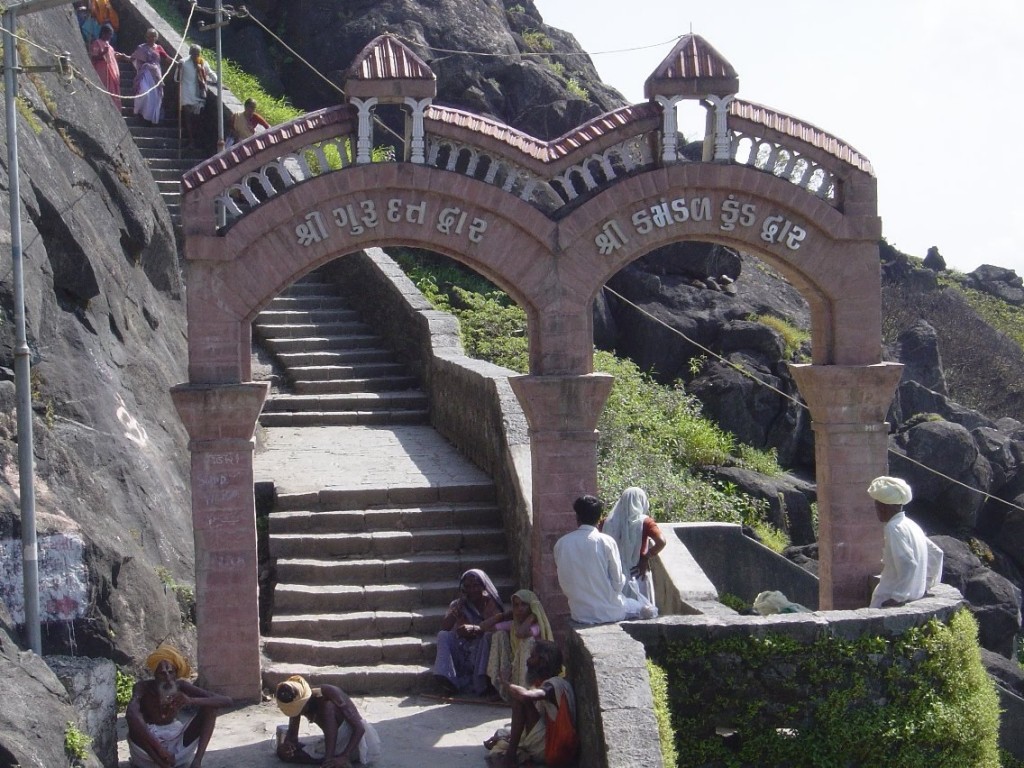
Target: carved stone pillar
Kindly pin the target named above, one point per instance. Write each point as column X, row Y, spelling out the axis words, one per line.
column 848, row 406
column 417, row 140
column 722, row 141
column 364, row 133
column 220, row 420
column 669, row 128
column 562, row 412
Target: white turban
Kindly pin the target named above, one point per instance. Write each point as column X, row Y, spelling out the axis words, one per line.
column 890, row 490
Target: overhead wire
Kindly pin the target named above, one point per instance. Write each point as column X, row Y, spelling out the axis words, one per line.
column 246, row 14
column 795, row 401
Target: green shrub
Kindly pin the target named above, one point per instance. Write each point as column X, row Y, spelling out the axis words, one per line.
column 730, row 600
column 76, row 744
column 794, row 339
column 659, row 693
column 919, row 700
column 124, row 684
column 537, row 41
column 577, row 90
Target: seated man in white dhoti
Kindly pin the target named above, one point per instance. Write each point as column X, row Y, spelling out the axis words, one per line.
column 157, row 737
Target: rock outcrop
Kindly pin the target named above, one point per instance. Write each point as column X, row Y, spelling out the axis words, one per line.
column 106, row 329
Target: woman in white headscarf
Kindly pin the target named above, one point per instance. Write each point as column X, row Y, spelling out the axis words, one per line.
column 639, row 539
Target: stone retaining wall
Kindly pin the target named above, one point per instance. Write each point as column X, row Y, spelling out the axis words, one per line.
column 608, row 665
column 471, row 402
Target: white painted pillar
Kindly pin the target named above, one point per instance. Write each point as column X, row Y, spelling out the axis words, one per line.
column 417, row 143
column 669, row 128
column 364, row 141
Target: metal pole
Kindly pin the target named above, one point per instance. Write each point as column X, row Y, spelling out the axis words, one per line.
column 220, row 80
column 22, row 373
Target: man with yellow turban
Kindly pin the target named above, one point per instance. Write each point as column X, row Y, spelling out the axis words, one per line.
column 911, row 562
column 156, row 737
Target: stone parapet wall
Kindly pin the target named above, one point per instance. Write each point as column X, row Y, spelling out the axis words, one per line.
column 471, row 402
column 607, row 664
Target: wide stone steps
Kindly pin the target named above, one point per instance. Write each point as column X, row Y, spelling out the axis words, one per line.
column 160, row 144
column 408, row 518
column 363, row 575
column 358, row 679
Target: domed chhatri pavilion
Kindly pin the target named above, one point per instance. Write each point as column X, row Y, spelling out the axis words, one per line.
column 549, row 222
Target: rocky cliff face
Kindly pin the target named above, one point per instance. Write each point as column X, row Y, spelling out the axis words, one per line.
column 106, row 328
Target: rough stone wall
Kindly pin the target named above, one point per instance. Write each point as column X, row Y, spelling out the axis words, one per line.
column 471, row 403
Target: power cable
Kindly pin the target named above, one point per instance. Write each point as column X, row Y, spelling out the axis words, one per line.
column 740, row 369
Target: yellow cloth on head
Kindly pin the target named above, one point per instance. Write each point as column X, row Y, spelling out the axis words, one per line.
column 169, row 653
column 890, row 490
column 298, row 684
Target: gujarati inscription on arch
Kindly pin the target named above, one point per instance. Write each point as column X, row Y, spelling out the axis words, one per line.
column 731, row 214
column 354, row 219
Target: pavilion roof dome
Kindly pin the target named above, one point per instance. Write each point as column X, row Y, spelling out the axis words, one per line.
column 693, row 68
column 387, row 68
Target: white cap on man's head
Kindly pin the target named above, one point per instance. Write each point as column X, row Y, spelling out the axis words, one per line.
column 890, row 490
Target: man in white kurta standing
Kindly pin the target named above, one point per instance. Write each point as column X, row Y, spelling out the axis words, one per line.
column 911, row 562
column 590, row 572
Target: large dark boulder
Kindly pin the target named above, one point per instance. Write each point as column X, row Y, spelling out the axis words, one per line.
column 530, row 92
column 918, row 350
column 993, row 599
column 943, row 460
column 998, row 281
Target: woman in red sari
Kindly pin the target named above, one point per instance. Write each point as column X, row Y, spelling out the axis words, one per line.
column 104, row 59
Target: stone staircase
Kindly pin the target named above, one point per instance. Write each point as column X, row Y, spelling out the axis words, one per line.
column 160, row 144
column 337, row 370
column 363, row 576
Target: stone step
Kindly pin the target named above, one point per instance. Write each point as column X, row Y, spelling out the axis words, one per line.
column 342, row 329
column 307, row 302
column 321, row 357
column 345, row 386
column 168, row 186
column 316, row 315
column 343, row 653
column 405, row 518
column 342, row 598
column 360, row 624
column 320, row 343
column 167, row 174
column 410, row 568
column 368, row 372
column 313, row 285
column 341, row 499
column 344, row 418
column 356, row 680
column 373, row 554
column 403, row 400
column 169, row 165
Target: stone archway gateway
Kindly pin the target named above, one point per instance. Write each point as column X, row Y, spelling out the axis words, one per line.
column 549, row 222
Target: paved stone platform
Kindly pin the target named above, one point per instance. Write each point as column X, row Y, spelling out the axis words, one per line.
column 415, row 731
column 302, row 459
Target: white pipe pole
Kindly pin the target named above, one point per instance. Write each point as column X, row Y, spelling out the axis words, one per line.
column 22, row 373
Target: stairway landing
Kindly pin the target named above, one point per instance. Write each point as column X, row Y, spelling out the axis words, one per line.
column 340, row 458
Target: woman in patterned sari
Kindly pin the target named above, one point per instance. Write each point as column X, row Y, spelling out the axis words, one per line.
column 464, row 642
column 149, row 86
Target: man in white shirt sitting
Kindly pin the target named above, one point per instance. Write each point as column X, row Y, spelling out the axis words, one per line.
column 911, row 562
column 589, row 570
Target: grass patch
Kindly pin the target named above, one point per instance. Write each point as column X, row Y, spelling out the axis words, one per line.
column 794, row 339
column 652, row 436
column 659, row 692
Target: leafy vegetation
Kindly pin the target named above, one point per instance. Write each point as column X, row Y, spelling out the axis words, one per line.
column 1004, row 317
column 76, row 744
column 659, row 692
column 917, row 700
column 183, row 593
column 651, row 435
column 793, row 338
column 577, row 90
column 537, row 41
column 124, row 684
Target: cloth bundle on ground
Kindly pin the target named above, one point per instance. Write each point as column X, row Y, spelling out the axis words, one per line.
column 773, row 601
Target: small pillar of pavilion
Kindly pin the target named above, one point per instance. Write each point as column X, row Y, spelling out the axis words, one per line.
column 694, row 71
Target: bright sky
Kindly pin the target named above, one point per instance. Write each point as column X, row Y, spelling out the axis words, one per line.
column 930, row 91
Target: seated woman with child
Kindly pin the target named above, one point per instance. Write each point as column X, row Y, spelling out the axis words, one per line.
column 513, row 640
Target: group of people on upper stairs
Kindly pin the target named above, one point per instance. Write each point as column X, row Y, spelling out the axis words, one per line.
column 99, row 23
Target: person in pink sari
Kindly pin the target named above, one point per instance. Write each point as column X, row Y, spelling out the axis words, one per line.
column 148, row 86
column 104, row 59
